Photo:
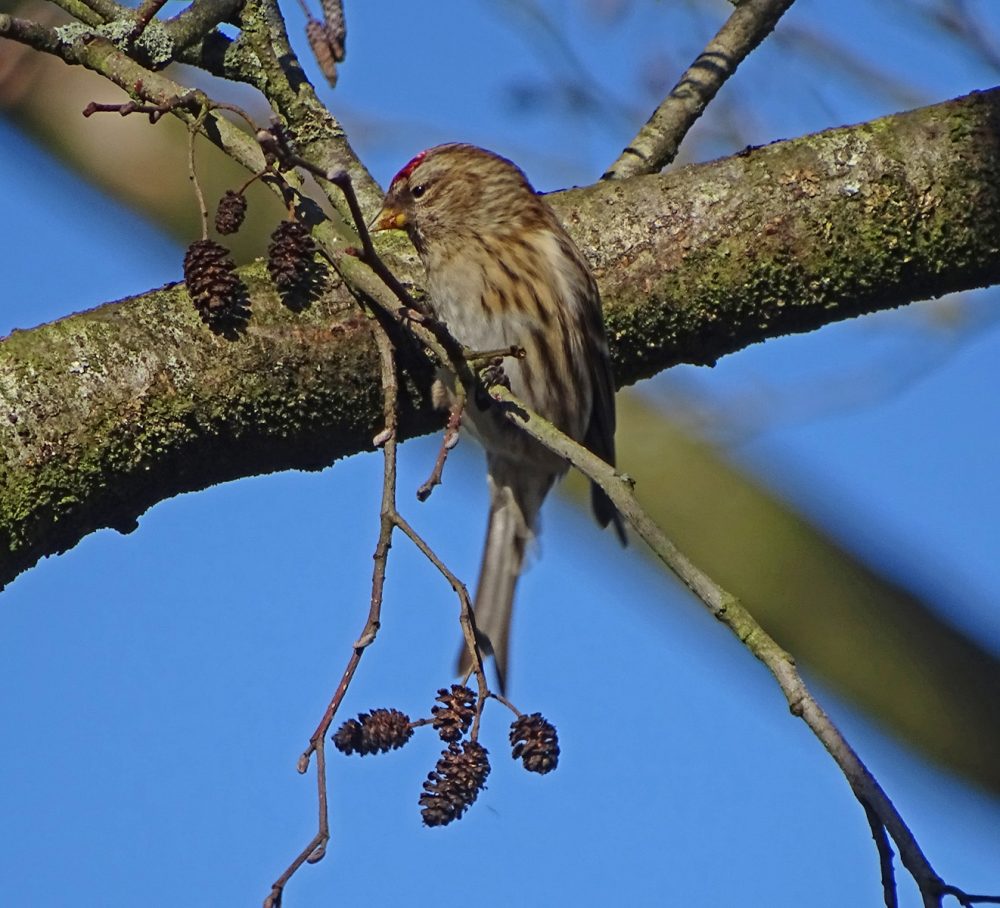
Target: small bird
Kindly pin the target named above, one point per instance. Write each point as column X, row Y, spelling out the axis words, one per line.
column 502, row 271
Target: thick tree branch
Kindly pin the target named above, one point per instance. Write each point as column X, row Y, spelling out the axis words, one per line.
column 707, row 259
column 107, row 412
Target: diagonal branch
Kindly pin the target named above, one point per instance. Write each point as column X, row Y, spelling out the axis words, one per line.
column 881, row 812
column 320, row 138
column 658, row 141
column 197, row 21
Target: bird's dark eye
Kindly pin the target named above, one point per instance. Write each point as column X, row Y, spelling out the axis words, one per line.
column 418, row 190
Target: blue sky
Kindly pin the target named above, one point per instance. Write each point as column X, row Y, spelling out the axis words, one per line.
column 156, row 689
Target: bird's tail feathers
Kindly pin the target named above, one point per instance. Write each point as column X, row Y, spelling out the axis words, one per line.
column 514, row 505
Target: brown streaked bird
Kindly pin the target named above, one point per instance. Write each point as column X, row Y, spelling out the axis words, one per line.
column 502, row 271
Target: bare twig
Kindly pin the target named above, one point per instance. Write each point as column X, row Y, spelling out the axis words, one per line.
column 154, row 111
column 885, row 856
column 316, row 847
column 500, row 698
column 728, row 609
column 389, row 520
column 466, row 618
column 657, row 143
column 447, row 350
column 193, row 175
column 191, row 100
column 964, row 898
column 342, row 180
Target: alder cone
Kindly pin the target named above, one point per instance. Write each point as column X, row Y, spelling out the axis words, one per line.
column 535, row 743
column 458, row 777
column 323, row 50
column 375, row 732
column 212, row 282
column 230, row 212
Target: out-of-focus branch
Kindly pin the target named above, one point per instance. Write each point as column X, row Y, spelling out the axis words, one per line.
column 875, row 643
column 80, row 10
column 657, row 143
column 99, row 54
column 108, row 10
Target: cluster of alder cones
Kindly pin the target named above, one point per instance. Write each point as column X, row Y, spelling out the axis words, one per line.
column 216, row 289
column 461, row 771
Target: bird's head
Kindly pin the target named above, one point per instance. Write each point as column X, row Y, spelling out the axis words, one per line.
column 456, row 190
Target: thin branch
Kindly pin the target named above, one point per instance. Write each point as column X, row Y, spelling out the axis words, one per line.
column 193, row 176
column 198, row 20
column 466, row 617
column 108, row 10
column 657, row 143
column 964, row 898
column 315, row 849
column 143, row 16
column 727, row 609
column 82, row 11
column 885, row 856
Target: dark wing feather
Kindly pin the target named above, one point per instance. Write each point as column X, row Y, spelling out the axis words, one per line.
column 600, row 435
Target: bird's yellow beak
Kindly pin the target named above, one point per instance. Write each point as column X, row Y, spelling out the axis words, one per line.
column 389, row 218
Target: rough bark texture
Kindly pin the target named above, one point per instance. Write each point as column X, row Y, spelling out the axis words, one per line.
column 781, row 239
column 106, row 412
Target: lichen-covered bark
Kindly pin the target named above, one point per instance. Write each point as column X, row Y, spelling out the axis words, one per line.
column 106, row 412
column 786, row 238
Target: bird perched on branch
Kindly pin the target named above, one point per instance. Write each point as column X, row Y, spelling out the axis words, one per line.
column 501, row 272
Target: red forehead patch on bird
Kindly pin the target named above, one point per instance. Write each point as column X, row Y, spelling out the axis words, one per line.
column 409, row 168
